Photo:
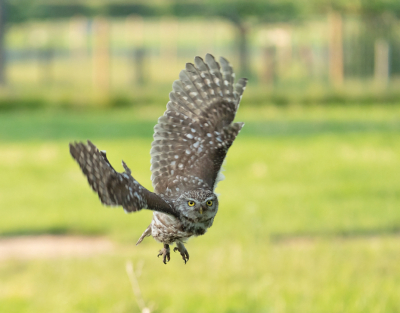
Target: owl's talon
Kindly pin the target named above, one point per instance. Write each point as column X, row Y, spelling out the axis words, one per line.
column 182, row 250
column 165, row 252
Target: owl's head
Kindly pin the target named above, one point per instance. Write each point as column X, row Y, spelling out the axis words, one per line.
column 200, row 204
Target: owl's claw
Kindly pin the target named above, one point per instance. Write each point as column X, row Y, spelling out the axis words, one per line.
column 182, row 250
column 165, row 252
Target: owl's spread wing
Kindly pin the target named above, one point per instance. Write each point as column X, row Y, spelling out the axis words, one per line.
column 112, row 187
column 193, row 136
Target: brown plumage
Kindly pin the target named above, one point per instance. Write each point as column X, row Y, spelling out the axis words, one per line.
column 190, row 143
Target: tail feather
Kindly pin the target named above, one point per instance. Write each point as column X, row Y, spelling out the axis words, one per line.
column 145, row 234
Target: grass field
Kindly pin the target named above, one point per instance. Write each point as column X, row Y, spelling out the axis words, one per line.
column 309, row 217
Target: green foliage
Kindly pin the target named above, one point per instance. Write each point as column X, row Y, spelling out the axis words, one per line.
column 276, row 11
column 266, row 11
column 139, row 99
column 125, row 9
column 22, row 10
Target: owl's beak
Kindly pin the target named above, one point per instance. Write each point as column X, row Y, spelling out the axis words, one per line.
column 202, row 209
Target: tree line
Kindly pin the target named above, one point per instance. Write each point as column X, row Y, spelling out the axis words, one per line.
column 242, row 14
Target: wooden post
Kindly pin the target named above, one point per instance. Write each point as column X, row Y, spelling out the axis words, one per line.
column 139, row 65
column 78, row 36
column 134, row 26
column 335, row 49
column 2, row 48
column 168, row 41
column 381, row 69
column 269, row 71
column 243, row 49
column 46, row 57
column 40, row 39
column 101, row 56
column 135, row 38
column 282, row 40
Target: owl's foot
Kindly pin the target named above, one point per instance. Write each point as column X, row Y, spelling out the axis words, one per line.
column 165, row 252
column 182, row 250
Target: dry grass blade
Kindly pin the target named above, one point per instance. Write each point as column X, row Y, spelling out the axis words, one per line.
column 136, row 288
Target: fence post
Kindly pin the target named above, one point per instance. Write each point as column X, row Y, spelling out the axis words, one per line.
column 78, row 32
column 137, row 53
column 335, row 49
column 169, row 29
column 101, row 56
column 46, row 57
column 269, row 71
column 139, row 59
column 2, row 48
column 381, row 68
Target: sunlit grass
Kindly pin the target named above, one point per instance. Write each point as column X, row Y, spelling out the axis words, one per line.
column 308, row 218
column 355, row 275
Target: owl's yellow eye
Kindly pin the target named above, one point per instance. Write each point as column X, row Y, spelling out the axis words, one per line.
column 209, row 203
column 191, row 203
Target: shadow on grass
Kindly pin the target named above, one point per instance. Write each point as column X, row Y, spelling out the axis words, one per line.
column 25, row 127
column 274, row 237
column 49, row 231
column 311, row 128
column 340, row 234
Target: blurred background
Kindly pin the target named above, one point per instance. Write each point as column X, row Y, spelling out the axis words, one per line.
column 81, row 53
column 309, row 216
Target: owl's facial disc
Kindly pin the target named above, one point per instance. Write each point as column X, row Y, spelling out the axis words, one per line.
column 200, row 203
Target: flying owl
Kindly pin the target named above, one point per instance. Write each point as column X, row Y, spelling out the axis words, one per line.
column 190, row 143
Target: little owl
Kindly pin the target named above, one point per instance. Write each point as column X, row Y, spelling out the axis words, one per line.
column 190, row 143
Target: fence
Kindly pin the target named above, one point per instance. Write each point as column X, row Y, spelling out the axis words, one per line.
column 120, row 54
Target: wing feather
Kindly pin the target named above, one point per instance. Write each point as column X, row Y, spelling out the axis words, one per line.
column 193, row 136
column 112, row 187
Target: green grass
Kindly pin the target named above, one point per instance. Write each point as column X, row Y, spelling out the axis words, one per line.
column 353, row 275
column 309, row 217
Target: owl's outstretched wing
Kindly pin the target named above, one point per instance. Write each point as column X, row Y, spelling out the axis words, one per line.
column 112, row 187
column 193, row 136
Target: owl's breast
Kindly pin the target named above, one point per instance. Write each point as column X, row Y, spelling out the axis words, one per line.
column 167, row 229
column 197, row 224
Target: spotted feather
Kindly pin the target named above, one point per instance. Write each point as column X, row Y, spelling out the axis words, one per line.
column 190, row 143
column 112, row 187
column 193, row 136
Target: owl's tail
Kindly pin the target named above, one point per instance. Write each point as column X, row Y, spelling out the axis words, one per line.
column 145, row 234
